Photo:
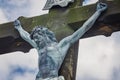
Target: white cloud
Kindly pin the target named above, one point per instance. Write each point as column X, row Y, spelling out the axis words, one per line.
column 27, row 76
column 25, row 61
column 98, row 57
column 16, row 8
column 86, row 2
column 36, row 7
column 18, row 2
column 3, row 18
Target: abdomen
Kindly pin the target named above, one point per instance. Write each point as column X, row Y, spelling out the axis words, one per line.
column 47, row 67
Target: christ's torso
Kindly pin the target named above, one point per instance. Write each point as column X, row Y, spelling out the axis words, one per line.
column 50, row 60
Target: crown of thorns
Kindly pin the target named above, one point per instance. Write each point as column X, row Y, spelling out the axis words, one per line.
column 43, row 30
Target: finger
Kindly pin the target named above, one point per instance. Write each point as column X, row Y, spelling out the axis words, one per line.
column 17, row 21
column 103, row 4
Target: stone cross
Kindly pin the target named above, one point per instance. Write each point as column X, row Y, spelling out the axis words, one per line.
column 63, row 22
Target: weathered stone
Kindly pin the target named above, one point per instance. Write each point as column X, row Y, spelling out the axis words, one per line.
column 63, row 22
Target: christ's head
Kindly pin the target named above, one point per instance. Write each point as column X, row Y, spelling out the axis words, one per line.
column 42, row 36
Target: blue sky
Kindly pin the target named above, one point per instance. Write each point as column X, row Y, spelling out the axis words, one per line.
column 99, row 57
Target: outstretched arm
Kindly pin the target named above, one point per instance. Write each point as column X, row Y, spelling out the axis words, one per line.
column 24, row 34
column 86, row 26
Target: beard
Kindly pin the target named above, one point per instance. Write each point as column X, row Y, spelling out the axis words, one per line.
column 41, row 44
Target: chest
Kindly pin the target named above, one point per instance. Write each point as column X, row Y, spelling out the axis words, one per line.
column 50, row 55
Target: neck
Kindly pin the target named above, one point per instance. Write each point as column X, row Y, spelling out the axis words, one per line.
column 46, row 44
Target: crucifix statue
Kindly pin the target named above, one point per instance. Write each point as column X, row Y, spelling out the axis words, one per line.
column 51, row 52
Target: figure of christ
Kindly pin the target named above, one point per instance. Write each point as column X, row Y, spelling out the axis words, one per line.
column 52, row 53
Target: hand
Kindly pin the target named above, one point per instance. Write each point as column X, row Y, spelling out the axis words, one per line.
column 17, row 24
column 101, row 6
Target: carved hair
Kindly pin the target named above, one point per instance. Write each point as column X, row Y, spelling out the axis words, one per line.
column 45, row 31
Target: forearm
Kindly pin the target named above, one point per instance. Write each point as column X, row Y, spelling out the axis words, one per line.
column 90, row 22
column 25, row 35
column 86, row 26
column 66, row 42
